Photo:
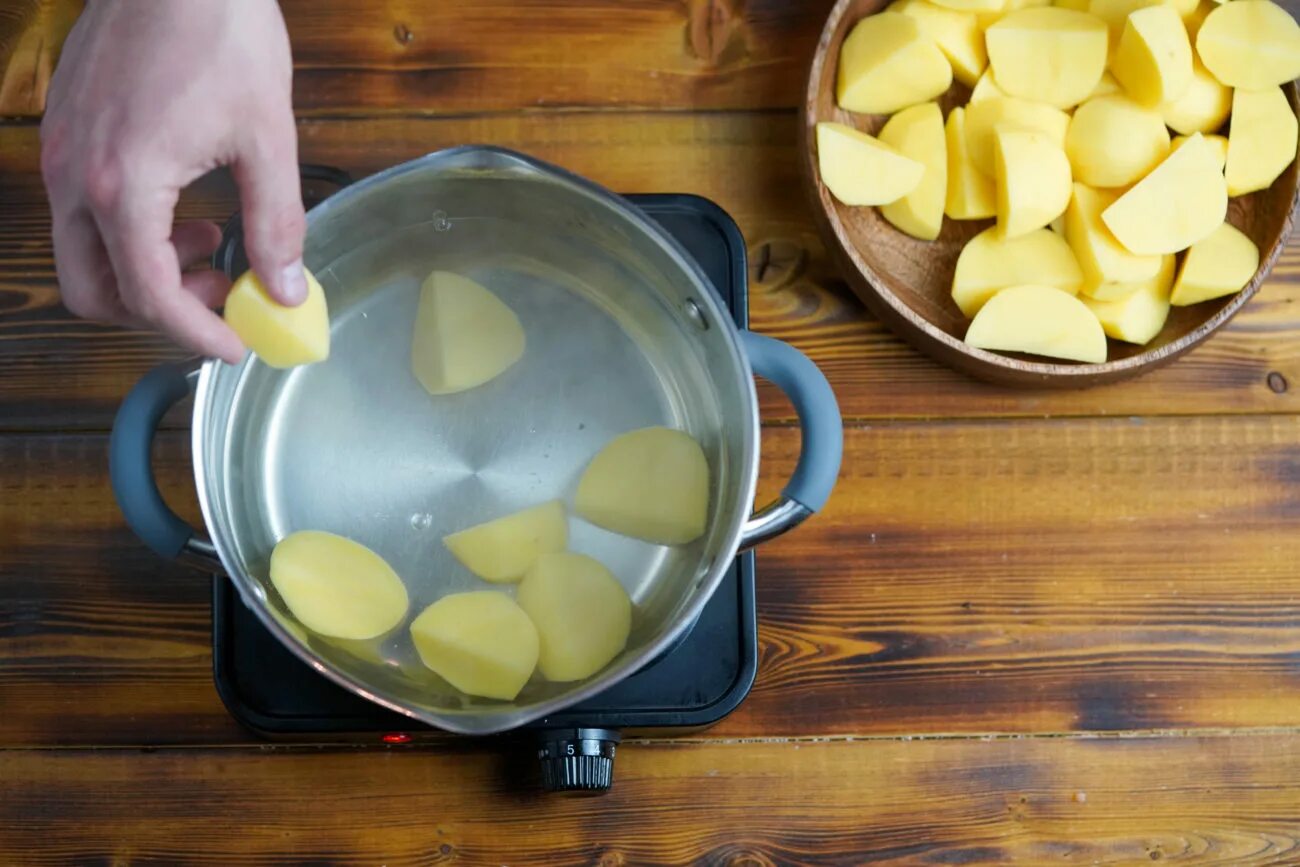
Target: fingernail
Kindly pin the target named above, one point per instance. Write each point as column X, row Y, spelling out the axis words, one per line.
column 293, row 284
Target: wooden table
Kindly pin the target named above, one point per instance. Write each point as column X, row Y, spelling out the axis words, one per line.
column 1053, row 628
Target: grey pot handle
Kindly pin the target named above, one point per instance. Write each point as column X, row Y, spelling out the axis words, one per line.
column 131, row 470
column 823, row 437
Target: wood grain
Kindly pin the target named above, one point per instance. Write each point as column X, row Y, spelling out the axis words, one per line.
column 1203, row 800
column 63, row 373
column 1028, row 576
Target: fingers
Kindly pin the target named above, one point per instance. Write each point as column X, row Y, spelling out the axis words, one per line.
column 85, row 274
column 266, row 169
column 195, row 241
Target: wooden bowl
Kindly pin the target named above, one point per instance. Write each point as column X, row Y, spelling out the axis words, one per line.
column 907, row 283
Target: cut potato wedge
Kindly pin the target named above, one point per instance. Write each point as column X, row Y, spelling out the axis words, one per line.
column 985, row 88
column 1153, row 61
column 985, row 116
column 981, row 6
column 972, row 195
column 651, row 484
column 582, row 614
column 888, row 63
column 1047, row 54
column 1139, row 314
column 504, row 549
column 464, row 335
column 1220, row 264
column 1184, row 199
column 1218, row 142
column 1033, row 180
column 1102, row 257
column 1250, row 44
column 282, row 337
column 1115, row 14
column 1041, row 320
column 337, row 587
column 917, row 133
column 1114, row 142
column 480, row 642
column 958, row 35
column 1262, row 141
column 990, row 263
column 1203, row 107
column 861, row 170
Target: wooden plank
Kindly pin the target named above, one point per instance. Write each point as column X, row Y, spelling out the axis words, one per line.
column 1029, row 576
column 31, row 36
column 60, row 373
column 1203, row 800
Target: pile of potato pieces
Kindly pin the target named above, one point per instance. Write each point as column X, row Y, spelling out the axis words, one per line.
column 1068, row 127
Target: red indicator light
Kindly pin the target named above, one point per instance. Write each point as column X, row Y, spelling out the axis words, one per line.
column 396, row 738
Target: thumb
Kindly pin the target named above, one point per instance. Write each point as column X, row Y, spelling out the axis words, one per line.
column 266, row 170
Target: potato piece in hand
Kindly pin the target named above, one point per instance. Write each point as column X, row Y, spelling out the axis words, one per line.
column 1113, row 141
column 972, row 195
column 888, row 63
column 1218, row 142
column 464, row 335
column 337, row 587
column 281, row 336
column 504, row 549
column 1251, row 44
column 1184, row 199
column 1137, row 316
column 650, row 484
column 958, row 35
column 860, row 170
column 917, row 133
column 990, row 263
column 1042, row 320
column 480, row 642
column 985, row 116
column 1102, row 257
column 1154, row 58
column 1220, row 264
column 1262, row 141
column 1049, row 55
column 1033, row 180
column 1203, row 107
column 582, row 614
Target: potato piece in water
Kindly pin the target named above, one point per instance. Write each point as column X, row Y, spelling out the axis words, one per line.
column 888, row 63
column 1039, row 319
column 464, row 335
column 650, row 484
column 1050, row 55
column 480, row 642
column 504, row 549
column 337, row 587
column 582, row 614
column 1250, row 44
column 1184, row 199
column 281, row 336
column 861, row 170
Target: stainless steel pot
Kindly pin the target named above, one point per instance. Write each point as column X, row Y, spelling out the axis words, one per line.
column 623, row 331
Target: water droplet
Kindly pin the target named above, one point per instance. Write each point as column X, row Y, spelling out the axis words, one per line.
column 421, row 521
column 440, row 222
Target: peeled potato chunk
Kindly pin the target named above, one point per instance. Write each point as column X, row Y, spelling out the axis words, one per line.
column 1102, row 258
column 337, row 587
column 1106, row 86
column 1220, row 264
column 1033, row 180
column 1154, row 58
column 1251, row 44
column 480, row 642
column 582, row 614
column 464, row 335
column 1262, row 141
column 1203, row 107
column 973, row 5
column 1049, row 55
column 1113, row 141
column 861, row 170
column 281, row 336
column 990, row 263
column 651, row 484
column 985, row 116
column 1218, row 142
column 1184, row 199
column 504, row 549
column 917, row 133
column 985, row 88
column 958, row 35
column 972, row 195
column 1039, row 319
column 888, row 63
column 1137, row 316
column 1116, row 12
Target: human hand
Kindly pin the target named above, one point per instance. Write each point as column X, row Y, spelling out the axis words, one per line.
column 148, row 97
